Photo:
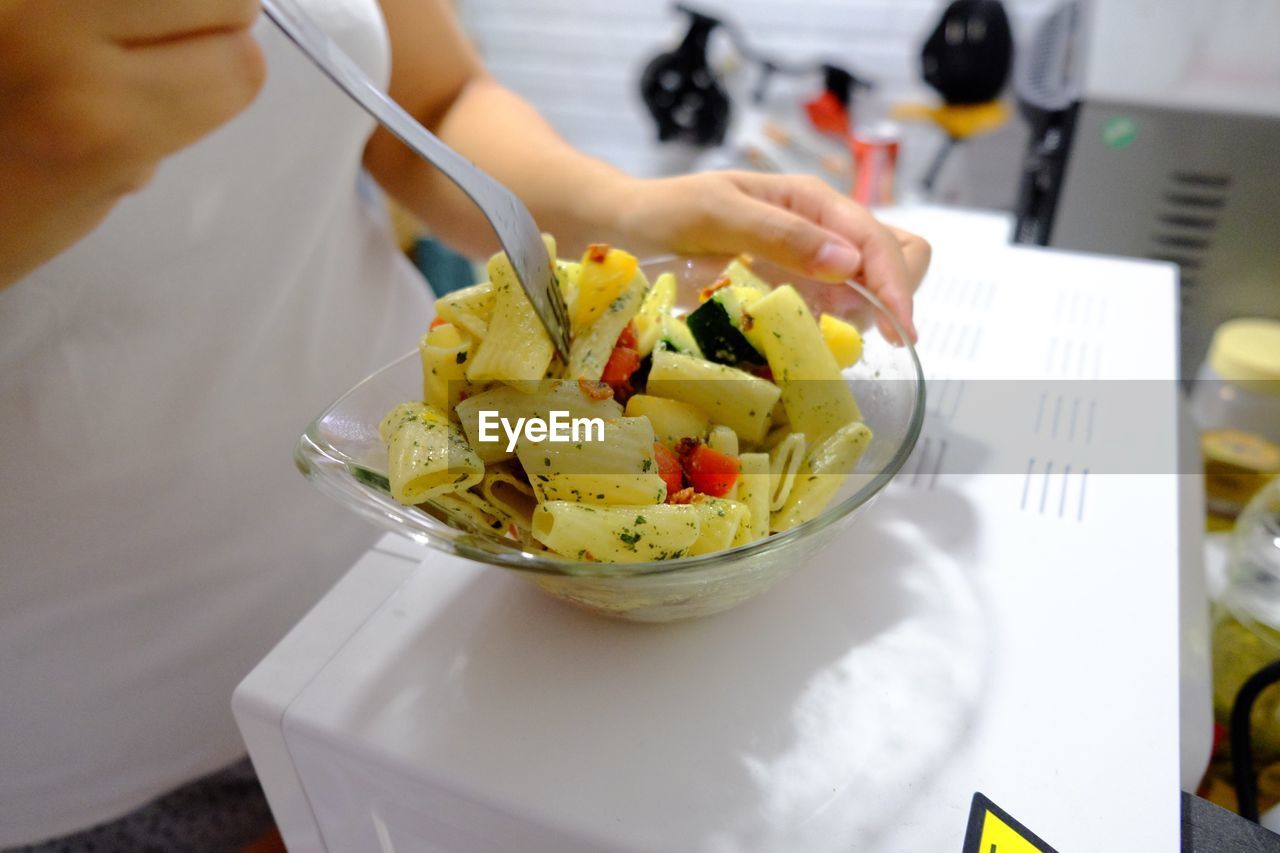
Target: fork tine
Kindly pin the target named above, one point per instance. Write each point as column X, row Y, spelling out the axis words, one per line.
column 523, row 244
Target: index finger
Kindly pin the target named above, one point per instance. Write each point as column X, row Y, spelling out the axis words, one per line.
column 885, row 269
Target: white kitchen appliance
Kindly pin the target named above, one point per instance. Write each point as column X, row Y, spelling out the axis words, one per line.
column 1154, row 131
column 1005, row 620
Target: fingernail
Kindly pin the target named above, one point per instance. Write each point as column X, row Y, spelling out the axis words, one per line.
column 836, row 259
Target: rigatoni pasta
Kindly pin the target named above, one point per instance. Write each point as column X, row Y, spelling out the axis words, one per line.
column 445, row 352
column 729, row 396
column 822, row 474
column 817, row 399
column 617, row 534
column 755, row 489
column 469, row 309
column 619, row 468
column 516, row 348
column 426, row 454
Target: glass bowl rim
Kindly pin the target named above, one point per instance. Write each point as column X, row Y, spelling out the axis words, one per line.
column 453, row 540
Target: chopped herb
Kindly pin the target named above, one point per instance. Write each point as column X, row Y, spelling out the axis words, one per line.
column 648, row 463
column 460, row 357
column 630, row 537
column 640, row 519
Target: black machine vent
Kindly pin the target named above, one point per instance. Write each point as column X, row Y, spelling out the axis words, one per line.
column 1185, row 222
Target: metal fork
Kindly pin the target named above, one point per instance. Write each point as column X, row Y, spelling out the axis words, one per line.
column 510, row 219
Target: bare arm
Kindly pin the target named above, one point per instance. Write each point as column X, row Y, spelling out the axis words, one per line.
column 796, row 221
column 437, row 76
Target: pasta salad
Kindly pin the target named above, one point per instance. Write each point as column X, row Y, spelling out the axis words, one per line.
column 666, row 434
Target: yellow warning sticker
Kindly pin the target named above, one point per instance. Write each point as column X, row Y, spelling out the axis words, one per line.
column 992, row 830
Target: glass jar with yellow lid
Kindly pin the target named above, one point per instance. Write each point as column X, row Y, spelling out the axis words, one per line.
column 1236, row 404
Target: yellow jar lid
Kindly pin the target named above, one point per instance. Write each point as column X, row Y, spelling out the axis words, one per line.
column 1248, row 350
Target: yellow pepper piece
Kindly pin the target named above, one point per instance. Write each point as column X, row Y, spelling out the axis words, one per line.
column 605, row 274
column 842, row 339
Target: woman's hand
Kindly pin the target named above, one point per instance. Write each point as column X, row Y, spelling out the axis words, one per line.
column 795, row 221
column 94, row 94
column 798, row 222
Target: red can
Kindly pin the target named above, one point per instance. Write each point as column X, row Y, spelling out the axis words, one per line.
column 875, row 161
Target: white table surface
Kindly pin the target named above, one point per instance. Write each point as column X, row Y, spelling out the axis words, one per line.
column 983, row 630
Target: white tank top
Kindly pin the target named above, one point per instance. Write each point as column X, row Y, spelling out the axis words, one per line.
column 155, row 537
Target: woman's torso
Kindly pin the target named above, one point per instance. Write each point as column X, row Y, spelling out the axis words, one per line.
column 153, row 379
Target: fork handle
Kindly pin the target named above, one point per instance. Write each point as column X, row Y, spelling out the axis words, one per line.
column 341, row 69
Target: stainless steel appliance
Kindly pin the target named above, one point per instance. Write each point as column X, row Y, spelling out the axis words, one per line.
column 1155, row 133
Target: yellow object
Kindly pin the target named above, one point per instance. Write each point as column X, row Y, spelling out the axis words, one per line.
column 605, row 274
column 657, row 304
column 817, row 399
column 959, row 121
column 591, row 346
column 1236, row 466
column 516, row 348
column 843, row 339
column 426, row 455
column 445, row 351
column 672, row 420
column 1241, row 648
column 999, row 836
column 1248, row 350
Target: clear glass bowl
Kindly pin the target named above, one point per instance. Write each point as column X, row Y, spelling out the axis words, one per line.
column 342, row 453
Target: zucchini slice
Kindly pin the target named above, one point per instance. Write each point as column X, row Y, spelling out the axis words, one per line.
column 717, row 326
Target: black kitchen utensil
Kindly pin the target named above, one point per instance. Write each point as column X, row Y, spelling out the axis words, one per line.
column 968, row 56
column 681, row 91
